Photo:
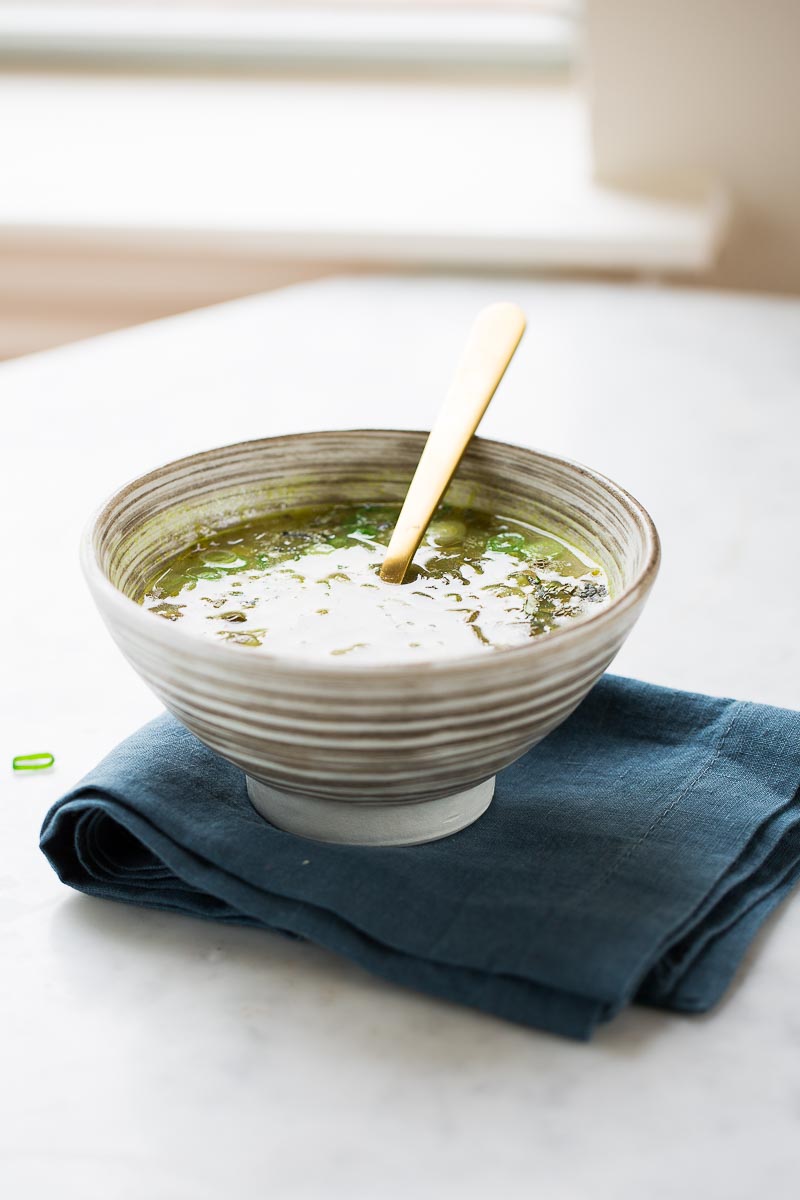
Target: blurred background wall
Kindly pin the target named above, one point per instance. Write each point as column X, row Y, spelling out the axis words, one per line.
column 160, row 157
column 706, row 85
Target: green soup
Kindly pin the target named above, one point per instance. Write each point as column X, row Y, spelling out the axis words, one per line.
column 305, row 582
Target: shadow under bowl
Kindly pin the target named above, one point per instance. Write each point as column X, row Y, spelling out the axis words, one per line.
column 377, row 754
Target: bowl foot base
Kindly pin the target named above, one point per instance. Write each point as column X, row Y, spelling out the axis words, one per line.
column 359, row 823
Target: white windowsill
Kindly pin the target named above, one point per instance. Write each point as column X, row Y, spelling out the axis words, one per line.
column 401, row 173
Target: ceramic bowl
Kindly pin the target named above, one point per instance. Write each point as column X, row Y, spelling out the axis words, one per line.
column 371, row 754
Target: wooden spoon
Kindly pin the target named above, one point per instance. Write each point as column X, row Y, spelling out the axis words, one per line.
column 493, row 339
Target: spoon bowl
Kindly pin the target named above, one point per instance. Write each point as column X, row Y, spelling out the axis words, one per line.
column 492, row 343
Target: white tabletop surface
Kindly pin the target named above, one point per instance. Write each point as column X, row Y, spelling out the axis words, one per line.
column 145, row 1054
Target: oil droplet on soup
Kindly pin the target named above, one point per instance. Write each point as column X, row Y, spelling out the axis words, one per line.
column 305, row 583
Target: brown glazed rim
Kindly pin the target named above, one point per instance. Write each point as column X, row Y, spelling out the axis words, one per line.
column 130, row 612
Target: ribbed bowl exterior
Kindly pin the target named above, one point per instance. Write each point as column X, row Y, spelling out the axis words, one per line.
column 393, row 733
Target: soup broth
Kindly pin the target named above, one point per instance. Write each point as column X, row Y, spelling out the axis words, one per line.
column 305, row 582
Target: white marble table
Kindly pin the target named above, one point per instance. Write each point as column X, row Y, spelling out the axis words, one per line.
column 149, row 1055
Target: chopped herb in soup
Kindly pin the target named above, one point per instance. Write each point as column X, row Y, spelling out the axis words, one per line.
column 305, row 582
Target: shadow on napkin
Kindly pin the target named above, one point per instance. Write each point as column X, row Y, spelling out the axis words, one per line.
column 632, row 855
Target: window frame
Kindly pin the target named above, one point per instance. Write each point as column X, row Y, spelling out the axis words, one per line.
column 284, row 37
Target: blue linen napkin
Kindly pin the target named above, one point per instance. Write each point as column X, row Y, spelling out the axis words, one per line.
column 632, row 855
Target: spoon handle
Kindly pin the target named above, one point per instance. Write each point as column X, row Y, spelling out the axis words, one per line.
column 492, row 341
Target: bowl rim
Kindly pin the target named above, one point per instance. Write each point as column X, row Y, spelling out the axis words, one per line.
column 165, row 632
